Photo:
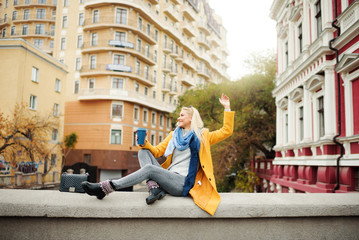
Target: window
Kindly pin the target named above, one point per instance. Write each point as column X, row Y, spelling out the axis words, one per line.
column 76, row 87
column 153, row 139
column 91, row 83
column 94, row 39
column 78, row 64
column 92, row 61
column 51, row 44
column 137, row 87
column 79, row 41
column 121, row 16
column 52, row 30
column 13, row 30
column 40, row 29
column 286, row 127
column 163, row 97
column 146, row 72
column 139, row 23
column 168, row 122
column 14, row 15
column 58, row 85
column 40, row 14
column 25, row 29
column 95, row 16
column 56, row 110
column 54, row 134
column 35, row 74
column 139, row 43
column 66, row 3
column 153, row 118
column 163, row 80
column 33, row 102
column 120, row 36
column 38, row 42
column 286, row 54
column 116, row 136
column 53, row 159
column 136, row 113
column 300, row 38
column 146, row 90
column 154, row 94
column 318, row 18
column 161, row 120
column 64, row 22
column 301, row 124
column 119, row 59
column 154, row 76
column 81, row 19
column 87, row 158
column 155, row 55
column 147, row 50
column 117, row 83
column 148, row 29
column 26, row 14
column 4, row 32
column 156, row 35
column 117, row 110
column 138, row 67
column 321, row 116
column 134, row 138
column 145, row 115
column 63, row 43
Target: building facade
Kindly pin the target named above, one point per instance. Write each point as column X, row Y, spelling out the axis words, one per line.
column 31, row 76
column 310, row 118
column 33, row 20
column 127, row 61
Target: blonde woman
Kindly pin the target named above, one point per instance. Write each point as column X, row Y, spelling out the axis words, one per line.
column 188, row 168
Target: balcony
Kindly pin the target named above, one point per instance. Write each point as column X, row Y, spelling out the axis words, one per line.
column 252, row 215
column 34, row 18
column 123, row 95
column 108, row 20
column 34, row 3
column 189, row 64
column 203, row 27
column 187, row 81
column 203, row 42
column 189, row 13
column 4, row 22
column 188, row 29
column 204, row 73
column 171, row 12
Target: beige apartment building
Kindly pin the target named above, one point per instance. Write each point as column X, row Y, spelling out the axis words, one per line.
column 33, row 20
column 128, row 61
column 31, row 76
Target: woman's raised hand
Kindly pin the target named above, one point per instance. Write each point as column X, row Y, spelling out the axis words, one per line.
column 224, row 100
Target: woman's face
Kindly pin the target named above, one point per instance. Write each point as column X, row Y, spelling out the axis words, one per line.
column 184, row 120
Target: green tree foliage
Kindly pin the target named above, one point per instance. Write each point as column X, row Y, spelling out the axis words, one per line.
column 254, row 128
column 69, row 144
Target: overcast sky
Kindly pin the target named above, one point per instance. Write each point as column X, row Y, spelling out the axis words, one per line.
column 249, row 29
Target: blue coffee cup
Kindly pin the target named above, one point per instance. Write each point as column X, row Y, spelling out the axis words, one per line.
column 141, row 135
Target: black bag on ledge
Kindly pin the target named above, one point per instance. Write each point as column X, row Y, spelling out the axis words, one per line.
column 72, row 182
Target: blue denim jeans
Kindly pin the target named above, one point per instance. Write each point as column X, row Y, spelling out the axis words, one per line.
column 150, row 169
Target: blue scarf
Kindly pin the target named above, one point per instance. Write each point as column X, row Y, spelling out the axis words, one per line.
column 181, row 143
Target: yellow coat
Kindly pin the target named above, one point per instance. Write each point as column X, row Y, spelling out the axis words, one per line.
column 204, row 192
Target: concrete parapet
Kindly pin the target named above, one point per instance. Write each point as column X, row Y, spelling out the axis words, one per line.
column 124, row 215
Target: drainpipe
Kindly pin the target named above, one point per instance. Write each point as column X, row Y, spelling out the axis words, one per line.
column 339, row 124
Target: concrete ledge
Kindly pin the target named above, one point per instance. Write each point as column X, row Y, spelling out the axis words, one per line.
column 258, row 216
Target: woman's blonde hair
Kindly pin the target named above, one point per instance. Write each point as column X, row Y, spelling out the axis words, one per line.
column 196, row 122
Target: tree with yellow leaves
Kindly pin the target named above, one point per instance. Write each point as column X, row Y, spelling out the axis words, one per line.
column 27, row 132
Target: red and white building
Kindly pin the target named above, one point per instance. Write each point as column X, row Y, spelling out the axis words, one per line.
column 308, row 99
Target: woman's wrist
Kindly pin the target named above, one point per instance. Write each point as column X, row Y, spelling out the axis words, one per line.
column 227, row 108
